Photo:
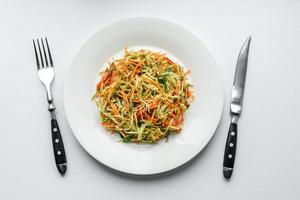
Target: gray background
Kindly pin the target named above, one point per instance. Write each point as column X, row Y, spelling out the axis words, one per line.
column 268, row 156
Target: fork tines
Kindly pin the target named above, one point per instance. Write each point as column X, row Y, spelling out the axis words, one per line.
column 42, row 59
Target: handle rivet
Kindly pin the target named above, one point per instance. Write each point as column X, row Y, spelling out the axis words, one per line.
column 56, row 140
column 55, row 129
column 231, row 144
column 233, row 133
column 58, row 152
column 229, row 156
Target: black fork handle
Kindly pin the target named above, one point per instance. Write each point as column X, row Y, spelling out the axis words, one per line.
column 58, row 148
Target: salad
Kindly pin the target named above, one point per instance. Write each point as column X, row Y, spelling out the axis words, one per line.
column 143, row 96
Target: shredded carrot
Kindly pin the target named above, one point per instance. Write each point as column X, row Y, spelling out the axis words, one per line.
column 115, row 110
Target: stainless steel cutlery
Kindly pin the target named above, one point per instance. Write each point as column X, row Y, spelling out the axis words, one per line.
column 236, row 105
column 45, row 70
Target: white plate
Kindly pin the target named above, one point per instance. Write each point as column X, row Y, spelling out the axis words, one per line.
column 201, row 119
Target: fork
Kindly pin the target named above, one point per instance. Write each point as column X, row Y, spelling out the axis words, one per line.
column 46, row 75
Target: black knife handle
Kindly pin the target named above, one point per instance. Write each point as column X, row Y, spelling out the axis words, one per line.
column 230, row 148
column 58, row 147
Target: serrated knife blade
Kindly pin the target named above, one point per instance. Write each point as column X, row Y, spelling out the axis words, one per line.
column 239, row 79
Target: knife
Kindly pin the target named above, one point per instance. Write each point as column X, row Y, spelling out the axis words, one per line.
column 236, row 105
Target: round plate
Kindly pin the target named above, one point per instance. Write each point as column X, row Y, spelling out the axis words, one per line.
column 201, row 119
